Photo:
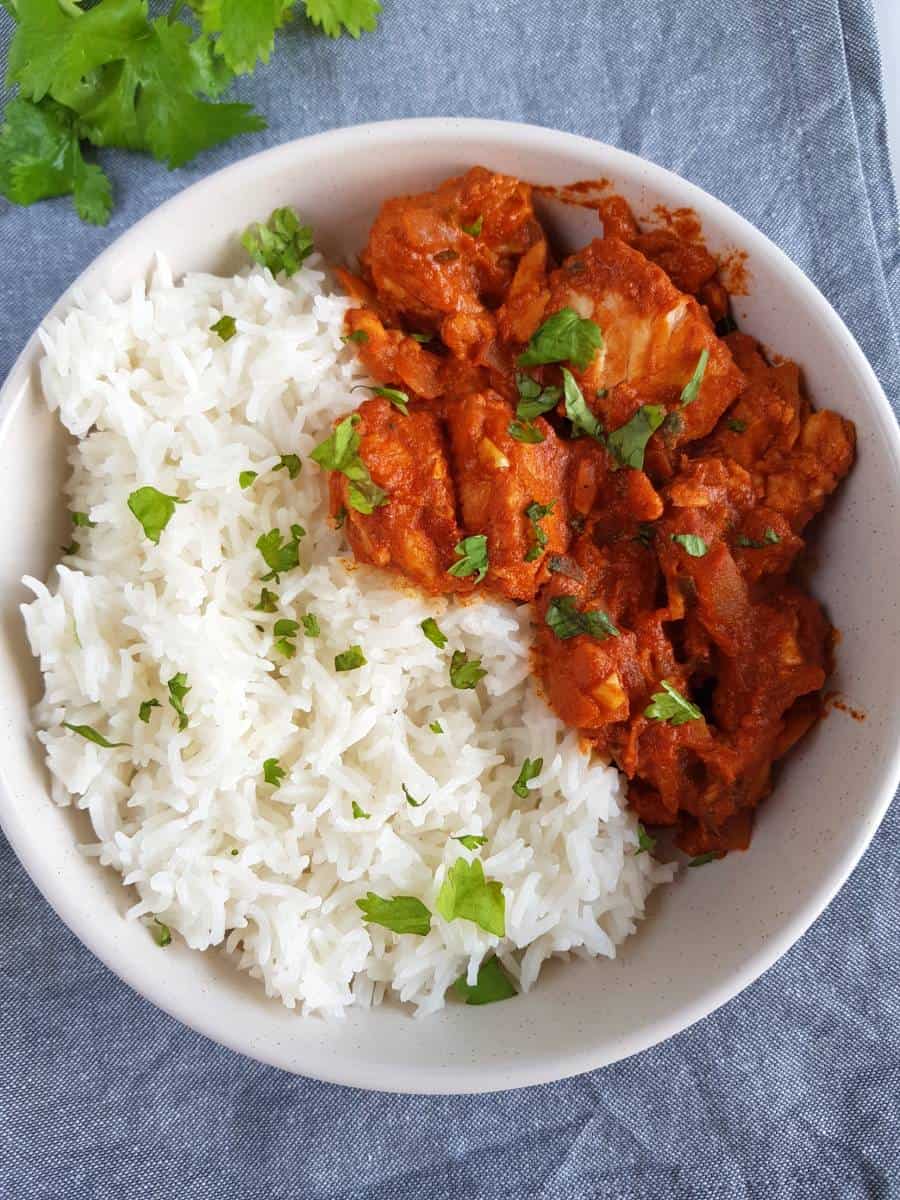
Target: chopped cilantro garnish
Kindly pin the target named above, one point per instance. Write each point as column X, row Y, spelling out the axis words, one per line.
column 268, row 602
column 285, row 630
column 464, row 672
column 669, row 705
column 153, row 509
column 349, row 660
column 282, row 244
column 702, row 859
column 278, row 554
column 531, row 768
column 471, row 841
column 311, row 625
column 524, row 431
column 273, row 772
column 770, row 538
column 91, row 735
column 246, row 478
column 290, row 463
column 144, row 710
column 340, row 452
column 466, row 894
column 161, row 933
column 567, row 621
column 583, row 420
column 410, row 798
column 359, row 813
column 646, row 843
column 628, row 443
column 338, row 16
column 358, row 336
column 534, row 399
column 473, row 557
column 564, row 337
column 436, row 727
column 535, row 513
column 475, row 228
column 692, row 387
column 403, row 914
column 695, row 546
column 432, row 631
column 397, row 398
column 225, row 327
column 491, row 986
column 178, row 689
column 83, row 521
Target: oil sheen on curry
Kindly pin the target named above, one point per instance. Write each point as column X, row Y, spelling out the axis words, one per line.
column 594, row 436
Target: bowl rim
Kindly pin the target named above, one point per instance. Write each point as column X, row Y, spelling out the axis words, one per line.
column 465, row 1079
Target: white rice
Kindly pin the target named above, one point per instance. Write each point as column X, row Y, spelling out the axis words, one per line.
column 152, row 397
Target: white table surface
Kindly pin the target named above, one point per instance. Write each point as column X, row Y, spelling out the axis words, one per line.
column 887, row 13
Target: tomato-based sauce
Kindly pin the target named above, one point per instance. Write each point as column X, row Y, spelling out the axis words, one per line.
column 582, row 430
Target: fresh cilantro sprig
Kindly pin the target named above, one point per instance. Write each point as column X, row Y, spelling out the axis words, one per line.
column 112, row 75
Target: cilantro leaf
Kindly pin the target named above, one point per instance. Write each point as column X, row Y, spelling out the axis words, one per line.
column 628, row 442
column 336, row 16
column 144, row 710
column 432, row 631
column 40, row 157
column 397, row 398
column 359, row 813
column 695, row 546
column 278, row 554
column 246, row 29
column 246, row 478
column 284, row 630
column 702, row 859
column 465, row 894
column 153, row 509
column 669, row 705
column 178, row 689
column 583, row 420
column 91, row 735
column 282, row 244
column 535, row 513
column 465, row 673
column 225, row 327
column 471, row 841
column 475, row 228
column 402, row 914
column 534, row 398
column 410, row 798
column 349, row 660
column 273, row 772
column 770, row 538
column 436, row 727
column 82, row 520
column 268, row 602
column 531, row 768
column 567, row 621
column 691, row 389
column 473, row 558
column 492, row 984
column 564, row 337
column 524, row 431
column 359, row 336
column 340, row 452
column 311, row 625
column 161, row 933
column 290, row 463
column 646, row 843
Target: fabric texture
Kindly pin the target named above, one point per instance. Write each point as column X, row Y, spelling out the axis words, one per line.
column 789, row 1091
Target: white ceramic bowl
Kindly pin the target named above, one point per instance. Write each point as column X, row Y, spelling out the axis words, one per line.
column 713, row 931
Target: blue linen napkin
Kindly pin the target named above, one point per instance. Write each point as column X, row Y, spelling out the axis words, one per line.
column 790, row 1090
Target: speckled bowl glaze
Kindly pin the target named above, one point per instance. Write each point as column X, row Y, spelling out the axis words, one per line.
column 713, row 931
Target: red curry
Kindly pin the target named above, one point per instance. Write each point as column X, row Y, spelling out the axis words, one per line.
column 643, row 479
